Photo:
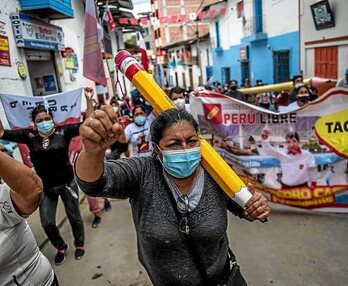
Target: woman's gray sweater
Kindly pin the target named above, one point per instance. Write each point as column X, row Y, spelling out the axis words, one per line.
column 162, row 249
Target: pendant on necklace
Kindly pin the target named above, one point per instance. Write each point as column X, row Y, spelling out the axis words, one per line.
column 45, row 143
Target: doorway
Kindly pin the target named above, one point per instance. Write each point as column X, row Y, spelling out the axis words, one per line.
column 42, row 72
column 326, row 62
column 281, row 71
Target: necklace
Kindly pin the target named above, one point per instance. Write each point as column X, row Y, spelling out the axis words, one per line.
column 45, row 142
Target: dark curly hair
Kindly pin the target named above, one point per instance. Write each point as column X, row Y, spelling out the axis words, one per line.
column 38, row 109
column 166, row 119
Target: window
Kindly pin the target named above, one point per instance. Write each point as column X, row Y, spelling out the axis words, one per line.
column 217, row 32
column 281, row 66
column 225, row 75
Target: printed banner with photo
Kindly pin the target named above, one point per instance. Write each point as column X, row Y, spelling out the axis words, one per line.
column 298, row 158
column 65, row 107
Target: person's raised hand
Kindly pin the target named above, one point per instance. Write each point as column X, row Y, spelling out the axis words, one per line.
column 100, row 130
column 88, row 92
column 257, row 206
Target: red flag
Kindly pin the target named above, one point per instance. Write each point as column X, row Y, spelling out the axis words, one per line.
column 93, row 66
column 109, row 18
column 123, row 20
column 142, row 48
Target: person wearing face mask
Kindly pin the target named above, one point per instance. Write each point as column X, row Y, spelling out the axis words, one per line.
column 233, row 92
column 49, row 153
column 343, row 82
column 177, row 95
column 179, row 211
column 297, row 82
column 138, row 132
column 302, row 98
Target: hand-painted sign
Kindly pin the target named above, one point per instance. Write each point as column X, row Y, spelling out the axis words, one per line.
column 5, row 59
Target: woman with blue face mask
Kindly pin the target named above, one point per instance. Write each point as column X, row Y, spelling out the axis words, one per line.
column 179, row 211
column 138, row 132
column 49, row 148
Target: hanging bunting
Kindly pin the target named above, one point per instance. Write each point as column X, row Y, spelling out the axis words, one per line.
column 193, row 16
column 133, row 21
column 153, row 21
column 174, row 19
column 123, row 20
column 212, row 13
column 144, row 21
column 163, row 20
column 222, row 11
column 183, row 18
column 201, row 15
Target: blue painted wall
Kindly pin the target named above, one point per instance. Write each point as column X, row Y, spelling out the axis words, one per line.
column 260, row 58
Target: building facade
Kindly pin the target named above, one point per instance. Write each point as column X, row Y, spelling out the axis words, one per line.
column 324, row 38
column 175, row 28
column 42, row 46
column 258, row 39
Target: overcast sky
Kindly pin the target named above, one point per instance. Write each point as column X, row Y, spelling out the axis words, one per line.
column 141, row 6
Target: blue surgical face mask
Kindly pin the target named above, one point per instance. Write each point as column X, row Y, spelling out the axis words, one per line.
column 181, row 163
column 45, row 127
column 140, row 120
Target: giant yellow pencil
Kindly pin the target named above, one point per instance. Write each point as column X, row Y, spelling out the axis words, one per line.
column 221, row 172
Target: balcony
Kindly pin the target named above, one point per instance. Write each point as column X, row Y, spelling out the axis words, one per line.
column 52, row 9
column 254, row 29
column 190, row 60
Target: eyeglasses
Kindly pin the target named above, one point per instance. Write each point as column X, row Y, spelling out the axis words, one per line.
column 183, row 207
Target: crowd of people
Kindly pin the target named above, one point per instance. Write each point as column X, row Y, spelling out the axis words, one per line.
column 282, row 101
column 172, row 197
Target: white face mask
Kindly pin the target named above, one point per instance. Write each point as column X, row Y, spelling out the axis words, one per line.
column 115, row 109
column 298, row 84
column 180, row 103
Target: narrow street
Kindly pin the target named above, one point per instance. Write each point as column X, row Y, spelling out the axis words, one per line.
column 294, row 248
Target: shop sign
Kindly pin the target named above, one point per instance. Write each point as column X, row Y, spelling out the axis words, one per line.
column 49, row 83
column 70, row 58
column 2, row 28
column 243, row 54
column 5, row 59
column 22, row 71
column 34, row 34
column 71, row 62
column 60, row 68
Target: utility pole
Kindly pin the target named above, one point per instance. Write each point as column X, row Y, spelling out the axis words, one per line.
column 200, row 82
